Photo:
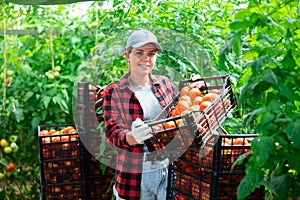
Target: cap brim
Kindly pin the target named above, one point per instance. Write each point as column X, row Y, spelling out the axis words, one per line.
column 140, row 44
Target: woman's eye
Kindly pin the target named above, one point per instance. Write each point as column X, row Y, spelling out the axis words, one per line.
column 139, row 53
column 151, row 54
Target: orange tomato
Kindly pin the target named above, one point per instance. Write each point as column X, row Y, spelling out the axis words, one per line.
column 182, row 106
column 204, row 105
column 216, row 91
column 174, row 112
column 185, row 98
column 44, row 132
column 210, row 97
column 170, row 124
column 194, row 92
column 179, row 122
column 197, row 100
column 238, row 141
column 195, row 107
column 185, row 90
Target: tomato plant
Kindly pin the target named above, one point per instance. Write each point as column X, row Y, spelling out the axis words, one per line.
column 268, row 97
column 249, row 40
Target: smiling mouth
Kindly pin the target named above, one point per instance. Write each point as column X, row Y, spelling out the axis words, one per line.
column 145, row 66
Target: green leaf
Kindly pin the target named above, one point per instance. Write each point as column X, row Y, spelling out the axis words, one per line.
column 3, row 161
column 46, row 100
column 270, row 77
column 250, row 55
column 35, row 122
column 252, row 180
column 18, row 114
column 61, row 102
column 262, row 148
column 239, row 25
column 257, row 64
column 281, row 185
column 286, row 91
column 293, row 133
column 288, row 61
column 294, row 160
column 28, row 95
column 252, row 114
column 239, row 160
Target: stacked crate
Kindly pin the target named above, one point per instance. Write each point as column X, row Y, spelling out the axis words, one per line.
column 208, row 173
column 68, row 170
column 98, row 177
column 61, row 166
column 68, row 167
column 201, row 168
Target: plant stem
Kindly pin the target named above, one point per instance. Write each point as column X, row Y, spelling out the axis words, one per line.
column 4, row 54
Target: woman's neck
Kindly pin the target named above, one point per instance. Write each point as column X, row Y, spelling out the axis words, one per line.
column 139, row 81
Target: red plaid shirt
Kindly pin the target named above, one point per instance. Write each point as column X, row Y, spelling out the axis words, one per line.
column 121, row 107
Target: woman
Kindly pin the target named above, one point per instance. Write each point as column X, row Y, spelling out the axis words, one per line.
column 137, row 96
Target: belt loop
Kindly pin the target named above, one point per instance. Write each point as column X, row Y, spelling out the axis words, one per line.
column 153, row 165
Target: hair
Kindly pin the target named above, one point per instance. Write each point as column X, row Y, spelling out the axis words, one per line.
column 129, row 49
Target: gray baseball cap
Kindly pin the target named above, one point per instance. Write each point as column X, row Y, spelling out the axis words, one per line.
column 141, row 37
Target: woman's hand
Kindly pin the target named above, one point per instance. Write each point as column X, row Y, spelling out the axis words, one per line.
column 139, row 132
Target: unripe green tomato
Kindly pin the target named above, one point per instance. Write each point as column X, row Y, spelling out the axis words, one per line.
column 1, row 176
column 57, row 68
column 13, row 145
column 56, row 74
column 50, row 76
column 2, row 75
column 13, row 138
column 10, row 73
column 15, row 149
column 7, row 150
column 3, row 143
column 94, row 25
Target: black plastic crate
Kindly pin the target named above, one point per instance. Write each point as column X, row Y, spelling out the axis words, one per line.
column 189, row 182
column 61, row 162
column 220, row 152
column 63, row 191
column 172, row 136
column 194, row 124
column 98, row 178
column 89, row 115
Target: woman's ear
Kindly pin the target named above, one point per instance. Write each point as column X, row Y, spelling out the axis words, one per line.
column 127, row 55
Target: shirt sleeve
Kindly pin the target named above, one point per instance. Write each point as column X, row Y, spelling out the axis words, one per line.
column 115, row 127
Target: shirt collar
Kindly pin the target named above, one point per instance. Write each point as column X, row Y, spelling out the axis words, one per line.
column 125, row 83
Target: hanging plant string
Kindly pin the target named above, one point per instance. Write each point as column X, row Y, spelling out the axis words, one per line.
column 4, row 54
column 51, row 48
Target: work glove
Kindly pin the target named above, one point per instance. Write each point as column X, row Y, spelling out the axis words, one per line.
column 196, row 84
column 140, row 131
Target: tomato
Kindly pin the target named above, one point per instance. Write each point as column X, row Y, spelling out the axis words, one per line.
column 194, row 92
column 10, row 73
column 13, row 145
column 7, row 150
column 238, row 141
column 204, row 104
column 179, row 197
column 13, row 138
column 15, row 149
column 10, row 167
column 210, row 97
column 57, row 68
column 3, row 143
column 1, row 176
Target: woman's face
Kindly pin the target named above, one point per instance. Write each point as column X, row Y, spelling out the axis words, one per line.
column 142, row 59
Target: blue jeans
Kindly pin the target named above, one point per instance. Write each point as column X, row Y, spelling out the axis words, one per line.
column 154, row 181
